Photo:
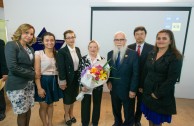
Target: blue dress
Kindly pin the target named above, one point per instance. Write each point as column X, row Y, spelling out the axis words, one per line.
column 48, row 80
column 156, row 118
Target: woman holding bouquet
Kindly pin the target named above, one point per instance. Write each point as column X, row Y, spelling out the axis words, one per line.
column 68, row 59
column 92, row 57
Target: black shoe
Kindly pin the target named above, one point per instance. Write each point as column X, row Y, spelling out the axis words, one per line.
column 137, row 124
column 2, row 116
column 68, row 123
column 73, row 120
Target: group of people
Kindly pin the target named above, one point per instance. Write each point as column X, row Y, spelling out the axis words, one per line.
column 146, row 75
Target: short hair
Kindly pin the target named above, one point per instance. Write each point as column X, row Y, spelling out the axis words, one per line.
column 120, row 32
column 68, row 31
column 22, row 29
column 140, row 28
column 94, row 41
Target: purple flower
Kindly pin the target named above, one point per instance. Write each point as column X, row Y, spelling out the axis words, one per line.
column 85, row 70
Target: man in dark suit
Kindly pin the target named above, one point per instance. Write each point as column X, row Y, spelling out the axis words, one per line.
column 3, row 75
column 143, row 49
column 123, row 90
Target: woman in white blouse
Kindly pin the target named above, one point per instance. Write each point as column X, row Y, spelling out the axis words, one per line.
column 88, row 60
column 47, row 89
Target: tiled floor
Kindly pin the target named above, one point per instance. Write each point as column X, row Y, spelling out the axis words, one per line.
column 185, row 116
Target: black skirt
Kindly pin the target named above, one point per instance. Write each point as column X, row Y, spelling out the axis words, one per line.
column 71, row 92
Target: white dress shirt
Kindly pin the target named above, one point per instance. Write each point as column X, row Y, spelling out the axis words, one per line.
column 141, row 48
column 74, row 57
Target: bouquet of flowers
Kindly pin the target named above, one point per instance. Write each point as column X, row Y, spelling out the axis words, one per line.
column 94, row 76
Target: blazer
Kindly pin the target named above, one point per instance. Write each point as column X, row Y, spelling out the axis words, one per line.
column 161, row 78
column 3, row 65
column 127, row 73
column 142, row 59
column 19, row 65
column 65, row 64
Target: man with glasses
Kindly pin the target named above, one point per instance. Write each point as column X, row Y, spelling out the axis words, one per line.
column 123, row 85
column 142, row 49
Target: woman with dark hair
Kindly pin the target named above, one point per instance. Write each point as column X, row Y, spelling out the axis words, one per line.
column 47, row 89
column 68, row 60
column 162, row 70
column 20, row 62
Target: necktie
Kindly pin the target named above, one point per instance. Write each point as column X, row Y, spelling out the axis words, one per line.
column 139, row 50
column 118, row 60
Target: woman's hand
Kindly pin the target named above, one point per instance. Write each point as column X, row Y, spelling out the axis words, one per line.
column 109, row 85
column 153, row 96
column 84, row 89
column 132, row 94
column 41, row 93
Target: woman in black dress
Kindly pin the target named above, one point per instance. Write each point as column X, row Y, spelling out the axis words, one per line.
column 68, row 59
column 163, row 68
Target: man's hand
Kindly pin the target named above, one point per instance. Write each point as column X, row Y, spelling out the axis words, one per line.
column 132, row 94
column 109, row 85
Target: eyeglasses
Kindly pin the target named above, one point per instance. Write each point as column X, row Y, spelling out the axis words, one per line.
column 121, row 40
column 70, row 38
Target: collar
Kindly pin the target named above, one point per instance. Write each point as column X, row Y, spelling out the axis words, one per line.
column 70, row 49
column 98, row 57
column 140, row 45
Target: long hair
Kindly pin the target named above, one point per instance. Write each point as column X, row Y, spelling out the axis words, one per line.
column 172, row 45
column 50, row 34
column 22, row 29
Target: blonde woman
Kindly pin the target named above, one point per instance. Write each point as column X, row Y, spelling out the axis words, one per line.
column 91, row 58
column 20, row 62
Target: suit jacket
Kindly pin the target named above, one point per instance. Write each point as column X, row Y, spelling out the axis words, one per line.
column 19, row 65
column 142, row 59
column 127, row 73
column 161, row 78
column 65, row 64
column 3, row 65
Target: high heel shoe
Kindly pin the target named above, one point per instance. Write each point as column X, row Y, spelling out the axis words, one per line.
column 68, row 123
column 73, row 120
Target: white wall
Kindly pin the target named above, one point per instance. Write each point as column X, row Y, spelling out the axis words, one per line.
column 1, row 14
column 58, row 16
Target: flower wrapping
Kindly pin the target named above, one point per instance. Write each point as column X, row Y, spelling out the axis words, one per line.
column 94, row 76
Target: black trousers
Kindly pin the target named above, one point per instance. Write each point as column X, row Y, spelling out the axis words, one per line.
column 2, row 102
column 86, row 107
column 138, row 112
column 128, row 107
